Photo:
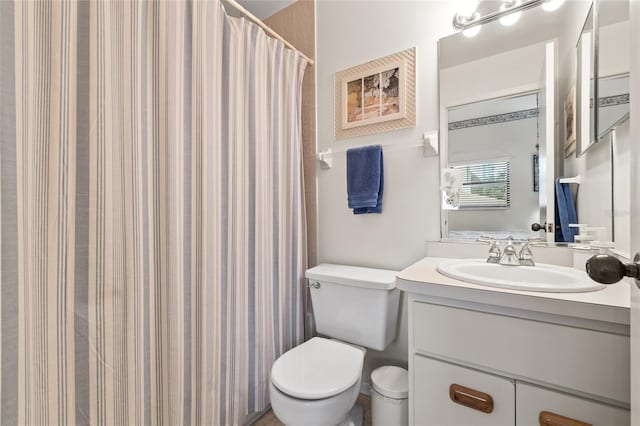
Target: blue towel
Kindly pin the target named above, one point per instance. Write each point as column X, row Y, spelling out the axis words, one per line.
column 365, row 179
column 565, row 212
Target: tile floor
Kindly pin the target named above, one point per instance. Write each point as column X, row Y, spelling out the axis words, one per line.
column 270, row 419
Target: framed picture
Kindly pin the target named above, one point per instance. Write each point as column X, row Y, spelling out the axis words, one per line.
column 570, row 122
column 374, row 95
column 377, row 96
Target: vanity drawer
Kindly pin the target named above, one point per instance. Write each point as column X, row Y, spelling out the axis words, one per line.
column 531, row 401
column 585, row 360
column 446, row 394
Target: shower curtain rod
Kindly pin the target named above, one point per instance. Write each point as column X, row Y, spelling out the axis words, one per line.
column 265, row 27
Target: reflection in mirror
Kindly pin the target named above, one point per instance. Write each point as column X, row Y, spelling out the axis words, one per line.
column 613, row 65
column 601, row 203
column 487, row 141
column 500, row 114
column 585, row 89
column 503, row 131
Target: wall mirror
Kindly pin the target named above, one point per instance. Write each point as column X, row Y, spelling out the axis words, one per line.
column 502, row 95
column 585, row 88
column 613, row 52
column 603, row 136
column 603, row 56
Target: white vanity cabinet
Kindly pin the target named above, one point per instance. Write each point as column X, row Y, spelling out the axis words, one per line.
column 480, row 398
column 558, row 408
column 471, row 364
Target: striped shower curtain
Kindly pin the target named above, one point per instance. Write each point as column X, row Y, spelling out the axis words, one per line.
column 152, row 241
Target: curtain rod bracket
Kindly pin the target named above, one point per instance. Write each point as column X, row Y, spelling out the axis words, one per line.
column 325, row 161
column 267, row 28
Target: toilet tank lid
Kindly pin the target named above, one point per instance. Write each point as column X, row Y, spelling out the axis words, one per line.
column 381, row 279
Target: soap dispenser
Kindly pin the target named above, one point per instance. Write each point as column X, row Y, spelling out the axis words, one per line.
column 599, row 242
column 582, row 238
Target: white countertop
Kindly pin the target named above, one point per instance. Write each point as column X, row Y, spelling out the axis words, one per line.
column 609, row 305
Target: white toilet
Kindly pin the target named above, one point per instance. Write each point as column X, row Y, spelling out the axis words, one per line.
column 317, row 383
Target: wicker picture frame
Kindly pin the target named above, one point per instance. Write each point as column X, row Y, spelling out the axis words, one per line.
column 377, row 96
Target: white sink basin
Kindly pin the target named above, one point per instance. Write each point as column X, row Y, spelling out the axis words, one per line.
column 542, row 277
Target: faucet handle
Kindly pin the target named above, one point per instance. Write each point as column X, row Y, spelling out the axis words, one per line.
column 526, row 255
column 534, row 240
column 494, row 253
column 494, row 250
column 486, row 239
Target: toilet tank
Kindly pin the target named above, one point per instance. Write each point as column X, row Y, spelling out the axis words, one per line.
column 353, row 304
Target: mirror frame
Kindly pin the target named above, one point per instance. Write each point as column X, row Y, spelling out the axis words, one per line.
column 592, row 113
column 605, row 133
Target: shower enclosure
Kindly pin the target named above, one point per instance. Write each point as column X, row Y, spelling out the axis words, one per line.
column 152, row 233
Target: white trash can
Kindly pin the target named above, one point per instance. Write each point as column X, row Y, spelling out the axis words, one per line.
column 390, row 396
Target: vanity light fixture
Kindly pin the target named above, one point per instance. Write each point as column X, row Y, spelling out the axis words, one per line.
column 551, row 5
column 510, row 18
column 470, row 13
column 467, row 7
column 472, row 31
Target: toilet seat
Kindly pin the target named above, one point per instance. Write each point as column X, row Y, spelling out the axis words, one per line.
column 319, row 368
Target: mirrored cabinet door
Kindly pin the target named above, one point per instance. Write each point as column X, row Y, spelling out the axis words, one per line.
column 528, row 112
column 585, row 88
column 613, row 65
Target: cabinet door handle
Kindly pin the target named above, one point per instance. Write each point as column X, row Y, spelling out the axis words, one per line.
column 471, row 398
column 548, row 418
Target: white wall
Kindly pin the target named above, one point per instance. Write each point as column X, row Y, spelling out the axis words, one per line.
column 349, row 33
column 594, row 197
column 594, row 193
column 622, row 189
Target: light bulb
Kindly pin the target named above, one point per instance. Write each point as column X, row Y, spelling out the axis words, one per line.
column 472, row 32
column 511, row 18
column 467, row 7
column 551, row 5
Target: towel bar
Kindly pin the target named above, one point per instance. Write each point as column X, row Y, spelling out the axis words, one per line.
column 575, row 179
column 429, row 149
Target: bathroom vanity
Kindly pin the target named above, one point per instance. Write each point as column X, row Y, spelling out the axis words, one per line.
column 492, row 356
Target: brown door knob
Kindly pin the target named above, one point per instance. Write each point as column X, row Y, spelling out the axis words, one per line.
column 607, row 269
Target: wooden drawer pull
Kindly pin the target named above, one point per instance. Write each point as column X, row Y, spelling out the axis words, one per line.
column 471, row 398
column 548, row 418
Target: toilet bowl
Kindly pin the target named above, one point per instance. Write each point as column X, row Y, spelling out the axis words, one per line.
column 322, row 412
column 316, row 383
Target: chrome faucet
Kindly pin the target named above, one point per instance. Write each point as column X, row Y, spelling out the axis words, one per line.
column 509, row 255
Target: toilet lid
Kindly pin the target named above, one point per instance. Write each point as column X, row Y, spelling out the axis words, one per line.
column 319, row 368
